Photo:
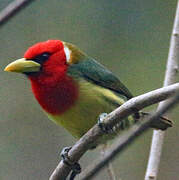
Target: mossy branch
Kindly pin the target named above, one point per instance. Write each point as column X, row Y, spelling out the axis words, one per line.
column 93, row 135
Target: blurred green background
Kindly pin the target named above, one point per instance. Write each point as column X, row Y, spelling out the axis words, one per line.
column 131, row 38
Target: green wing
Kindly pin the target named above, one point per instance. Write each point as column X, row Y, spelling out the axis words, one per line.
column 96, row 73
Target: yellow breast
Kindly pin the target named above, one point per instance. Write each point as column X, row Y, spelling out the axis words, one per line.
column 93, row 100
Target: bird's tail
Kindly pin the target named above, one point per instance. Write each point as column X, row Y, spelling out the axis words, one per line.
column 163, row 123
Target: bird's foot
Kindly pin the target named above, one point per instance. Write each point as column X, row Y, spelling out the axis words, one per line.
column 104, row 127
column 76, row 168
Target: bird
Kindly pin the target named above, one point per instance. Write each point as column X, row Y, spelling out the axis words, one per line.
column 72, row 88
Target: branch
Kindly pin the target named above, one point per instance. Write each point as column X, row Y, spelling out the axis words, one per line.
column 170, row 77
column 13, row 8
column 93, row 135
column 125, row 140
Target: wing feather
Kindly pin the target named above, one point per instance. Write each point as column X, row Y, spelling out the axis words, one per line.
column 92, row 71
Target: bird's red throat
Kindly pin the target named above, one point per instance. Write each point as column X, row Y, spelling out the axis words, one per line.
column 55, row 94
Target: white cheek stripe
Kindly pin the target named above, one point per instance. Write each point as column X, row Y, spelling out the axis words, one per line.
column 67, row 53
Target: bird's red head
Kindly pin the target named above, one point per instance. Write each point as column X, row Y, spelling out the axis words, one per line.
column 50, row 46
column 46, row 65
column 50, row 55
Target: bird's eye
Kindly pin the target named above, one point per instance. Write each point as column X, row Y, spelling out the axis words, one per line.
column 42, row 57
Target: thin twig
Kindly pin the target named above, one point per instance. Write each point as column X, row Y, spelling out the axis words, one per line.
column 111, row 171
column 170, row 77
column 93, row 135
column 109, row 166
column 12, row 9
column 126, row 139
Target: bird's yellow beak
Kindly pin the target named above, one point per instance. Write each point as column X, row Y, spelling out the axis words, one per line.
column 22, row 66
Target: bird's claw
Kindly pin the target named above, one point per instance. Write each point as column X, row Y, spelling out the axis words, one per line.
column 64, row 155
column 76, row 168
column 104, row 127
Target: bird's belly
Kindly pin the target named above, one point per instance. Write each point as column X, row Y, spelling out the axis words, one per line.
column 93, row 100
